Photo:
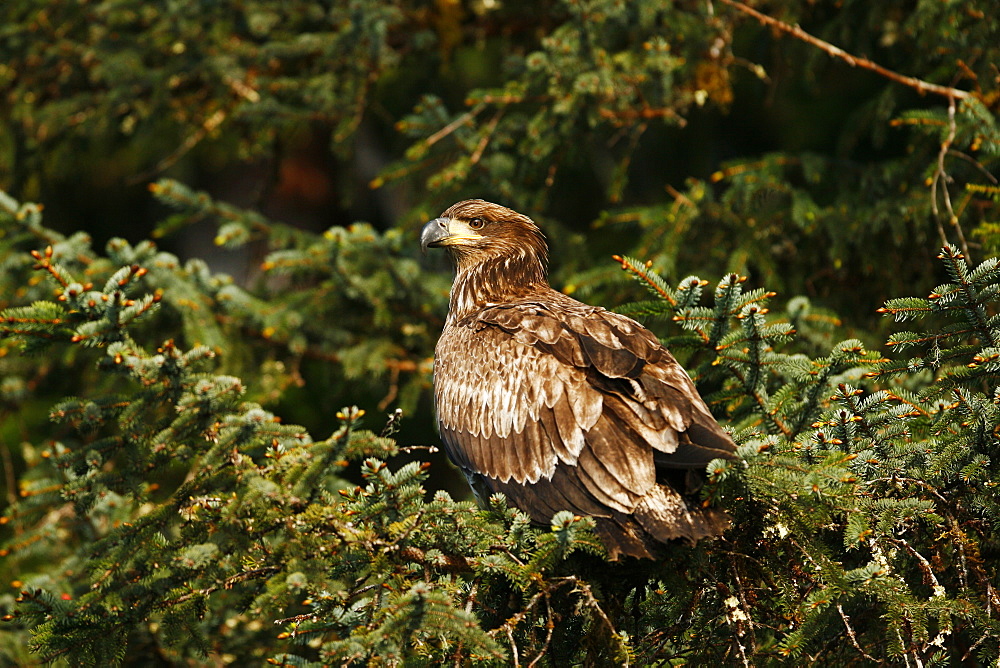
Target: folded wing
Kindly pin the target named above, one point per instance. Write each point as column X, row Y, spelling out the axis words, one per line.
column 563, row 406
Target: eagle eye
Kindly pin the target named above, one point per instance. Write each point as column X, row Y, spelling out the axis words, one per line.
column 476, row 223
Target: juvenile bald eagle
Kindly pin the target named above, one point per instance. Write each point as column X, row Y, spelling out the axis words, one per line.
column 561, row 405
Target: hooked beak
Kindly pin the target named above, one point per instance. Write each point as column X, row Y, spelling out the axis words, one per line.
column 434, row 234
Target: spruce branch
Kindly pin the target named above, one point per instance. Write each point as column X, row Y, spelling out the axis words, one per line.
column 742, row 168
column 45, row 262
column 651, row 280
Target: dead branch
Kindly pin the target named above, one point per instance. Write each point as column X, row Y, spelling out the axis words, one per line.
column 854, row 61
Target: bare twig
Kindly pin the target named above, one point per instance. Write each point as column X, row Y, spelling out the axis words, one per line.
column 645, row 114
column 472, row 597
column 414, row 448
column 741, row 597
column 973, row 647
column 227, row 584
column 925, row 566
column 963, row 565
column 584, row 588
column 295, row 618
column 853, row 61
column 9, row 478
column 511, row 624
column 680, row 199
column 993, row 601
column 850, row 633
column 579, row 587
column 207, row 127
column 393, row 388
column 743, row 652
column 993, row 598
column 899, row 636
column 454, row 125
column 941, row 176
column 513, row 645
column 550, row 624
column 975, row 163
column 484, row 142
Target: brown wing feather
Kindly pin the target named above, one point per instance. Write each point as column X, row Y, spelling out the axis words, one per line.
column 623, row 360
column 616, row 467
column 487, row 391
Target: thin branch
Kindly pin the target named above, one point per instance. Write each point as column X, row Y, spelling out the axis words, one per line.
column 511, row 624
column 638, row 271
column 9, row 476
column 850, row 633
column 680, row 199
column 472, row 597
column 975, row 163
column 454, row 125
column 484, row 142
column 393, row 392
column 192, row 140
column 513, row 645
column 644, row 114
column 854, row 61
column 963, row 565
column 584, row 589
column 940, row 175
column 899, row 636
column 227, row 584
column 741, row 597
column 549, row 626
column 973, row 647
column 785, row 430
column 296, row 618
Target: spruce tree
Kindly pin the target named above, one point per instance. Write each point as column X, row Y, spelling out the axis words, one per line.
column 172, row 512
column 831, row 172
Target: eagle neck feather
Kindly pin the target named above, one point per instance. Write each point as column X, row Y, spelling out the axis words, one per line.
column 496, row 280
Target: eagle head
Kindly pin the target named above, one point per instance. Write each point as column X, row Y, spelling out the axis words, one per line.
column 475, row 232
